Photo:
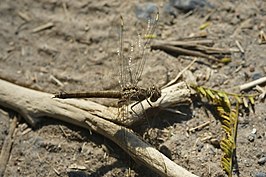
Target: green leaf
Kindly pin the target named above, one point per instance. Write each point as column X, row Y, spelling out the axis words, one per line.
column 201, row 90
column 238, row 99
column 245, row 102
column 226, row 60
column 209, row 92
column 251, row 99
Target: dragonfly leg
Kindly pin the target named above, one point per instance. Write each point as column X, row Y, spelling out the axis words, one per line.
column 149, row 102
column 131, row 107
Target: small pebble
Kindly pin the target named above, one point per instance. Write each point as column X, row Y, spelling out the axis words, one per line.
column 256, row 76
column 247, row 163
column 260, row 174
column 262, row 160
column 146, row 10
column 187, row 5
column 251, row 68
column 199, row 147
column 169, row 9
column 251, row 137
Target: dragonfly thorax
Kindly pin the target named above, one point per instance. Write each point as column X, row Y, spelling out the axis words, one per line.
column 134, row 93
column 155, row 93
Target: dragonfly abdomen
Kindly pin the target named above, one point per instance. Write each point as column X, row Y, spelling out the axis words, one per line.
column 92, row 94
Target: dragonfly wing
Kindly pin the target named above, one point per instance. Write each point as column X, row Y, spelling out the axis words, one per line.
column 132, row 47
column 125, row 54
column 143, row 44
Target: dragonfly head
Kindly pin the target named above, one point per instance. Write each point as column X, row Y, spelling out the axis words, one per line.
column 155, row 94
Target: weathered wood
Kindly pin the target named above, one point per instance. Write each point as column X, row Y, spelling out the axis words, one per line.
column 32, row 105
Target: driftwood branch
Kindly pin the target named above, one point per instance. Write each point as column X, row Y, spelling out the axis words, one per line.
column 32, row 105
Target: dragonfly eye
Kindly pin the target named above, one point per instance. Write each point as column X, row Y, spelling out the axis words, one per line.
column 156, row 94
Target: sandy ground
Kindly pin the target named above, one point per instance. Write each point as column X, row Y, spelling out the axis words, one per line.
column 79, row 49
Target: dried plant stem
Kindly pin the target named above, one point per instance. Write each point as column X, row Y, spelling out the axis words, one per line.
column 6, row 149
column 252, row 84
column 183, row 51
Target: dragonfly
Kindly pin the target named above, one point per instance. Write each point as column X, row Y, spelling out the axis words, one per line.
column 129, row 77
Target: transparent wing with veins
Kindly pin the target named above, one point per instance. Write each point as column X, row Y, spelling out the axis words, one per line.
column 132, row 53
column 143, row 44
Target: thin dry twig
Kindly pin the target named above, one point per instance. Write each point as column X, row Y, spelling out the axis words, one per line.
column 55, row 80
column 252, row 84
column 197, row 48
column 183, row 51
column 24, row 16
column 6, row 149
column 199, row 127
column 239, row 46
column 43, row 27
column 180, row 74
column 190, row 43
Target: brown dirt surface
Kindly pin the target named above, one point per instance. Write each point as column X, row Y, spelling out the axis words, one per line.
column 79, row 50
